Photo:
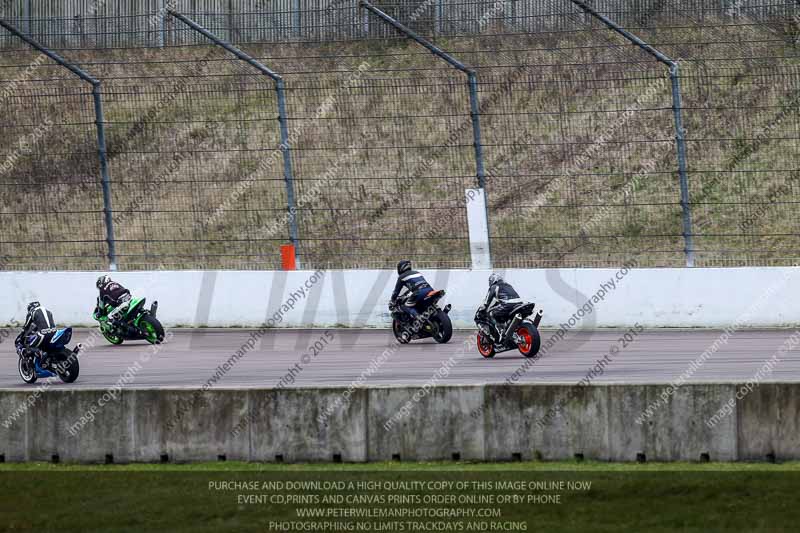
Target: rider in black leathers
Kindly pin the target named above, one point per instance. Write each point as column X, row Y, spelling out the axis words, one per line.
column 38, row 330
column 410, row 289
column 499, row 302
column 112, row 300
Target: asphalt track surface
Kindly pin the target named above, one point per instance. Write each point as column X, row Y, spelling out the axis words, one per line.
column 191, row 357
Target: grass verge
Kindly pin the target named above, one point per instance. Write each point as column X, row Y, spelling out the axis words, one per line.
column 396, row 496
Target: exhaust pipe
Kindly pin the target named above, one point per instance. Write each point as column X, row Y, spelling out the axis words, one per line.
column 537, row 318
column 511, row 327
column 154, row 308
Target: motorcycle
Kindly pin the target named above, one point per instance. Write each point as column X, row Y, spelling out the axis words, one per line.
column 136, row 323
column 61, row 361
column 432, row 321
column 520, row 333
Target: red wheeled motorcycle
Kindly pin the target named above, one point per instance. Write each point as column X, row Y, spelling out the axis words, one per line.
column 519, row 333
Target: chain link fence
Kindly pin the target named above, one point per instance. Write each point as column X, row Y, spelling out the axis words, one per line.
column 194, row 151
column 51, row 207
column 578, row 136
column 102, row 24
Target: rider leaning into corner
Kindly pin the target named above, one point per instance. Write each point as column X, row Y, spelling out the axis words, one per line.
column 499, row 302
column 38, row 330
column 410, row 289
column 112, row 300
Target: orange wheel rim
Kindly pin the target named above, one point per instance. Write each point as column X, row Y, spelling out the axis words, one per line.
column 484, row 347
column 527, row 339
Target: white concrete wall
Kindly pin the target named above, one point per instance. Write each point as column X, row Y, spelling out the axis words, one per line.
column 754, row 297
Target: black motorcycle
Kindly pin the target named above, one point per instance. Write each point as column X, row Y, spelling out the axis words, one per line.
column 432, row 321
column 53, row 360
column 517, row 333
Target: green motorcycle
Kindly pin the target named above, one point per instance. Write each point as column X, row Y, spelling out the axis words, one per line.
column 135, row 323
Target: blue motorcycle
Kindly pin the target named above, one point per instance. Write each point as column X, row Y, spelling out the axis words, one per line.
column 50, row 359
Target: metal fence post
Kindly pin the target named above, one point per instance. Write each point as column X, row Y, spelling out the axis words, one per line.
column 101, row 136
column 481, row 170
column 105, row 180
column 677, row 108
column 229, row 17
column 287, row 168
column 680, row 141
column 282, row 119
column 162, row 26
column 28, row 16
column 297, row 19
column 475, row 115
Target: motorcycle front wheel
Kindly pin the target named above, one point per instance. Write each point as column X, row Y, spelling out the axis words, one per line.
column 485, row 345
column 113, row 339
column 27, row 369
column 400, row 332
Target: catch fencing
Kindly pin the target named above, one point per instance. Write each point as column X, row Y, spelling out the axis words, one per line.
column 578, row 135
column 145, row 23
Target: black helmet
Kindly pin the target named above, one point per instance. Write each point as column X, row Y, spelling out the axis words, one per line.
column 403, row 266
column 32, row 307
column 495, row 278
column 102, row 281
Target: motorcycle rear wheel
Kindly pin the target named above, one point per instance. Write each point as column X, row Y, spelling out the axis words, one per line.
column 152, row 328
column 68, row 368
column 444, row 330
column 531, row 340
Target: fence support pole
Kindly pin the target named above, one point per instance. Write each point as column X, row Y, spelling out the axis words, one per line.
column 105, row 178
column 677, row 109
column 297, row 19
column 285, row 147
column 101, row 134
column 475, row 115
column 29, row 16
column 162, row 24
column 680, row 141
column 472, row 82
column 287, row 167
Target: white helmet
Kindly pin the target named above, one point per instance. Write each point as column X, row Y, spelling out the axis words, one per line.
column 102, row 281
column 495, row 278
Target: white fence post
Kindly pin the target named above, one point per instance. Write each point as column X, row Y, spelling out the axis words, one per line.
column 478, row 224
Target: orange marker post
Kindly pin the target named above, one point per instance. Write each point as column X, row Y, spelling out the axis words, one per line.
column 288, row 261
